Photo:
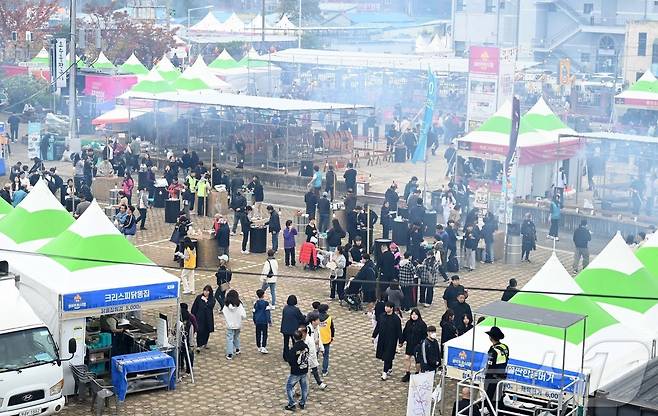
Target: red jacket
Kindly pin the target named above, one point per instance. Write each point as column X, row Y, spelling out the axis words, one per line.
column 308, row 253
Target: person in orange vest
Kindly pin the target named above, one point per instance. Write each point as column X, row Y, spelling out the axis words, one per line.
column 188, row 254
column 327, row 331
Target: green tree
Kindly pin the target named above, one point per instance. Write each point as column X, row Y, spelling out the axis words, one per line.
column 23, row 89
column 310, row 9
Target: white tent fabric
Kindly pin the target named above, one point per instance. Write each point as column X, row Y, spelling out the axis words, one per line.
column 252, row 54
column 208, row 24
column 439, row 44
column 120, row 114
column 539, row 356
column 285, row 25
column 256, row 24
column 225, row 56
column 165, row 65
column 200, row 70
column 645, row 88
column 616, row 256
column 421, row 44
column 233, row 24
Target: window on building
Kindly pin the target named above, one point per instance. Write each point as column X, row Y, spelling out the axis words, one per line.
column 642, row 44
column 588, row 8
column 654, row 52
column 501, row 5
column 584, row 57
column 459, row 6
column 490, row 6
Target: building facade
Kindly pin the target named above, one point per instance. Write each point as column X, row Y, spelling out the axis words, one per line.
column 589, row 32
column 640, row 50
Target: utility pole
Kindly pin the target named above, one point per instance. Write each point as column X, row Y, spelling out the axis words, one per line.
column 74, row 143
column 299, row 26
column 262, row 24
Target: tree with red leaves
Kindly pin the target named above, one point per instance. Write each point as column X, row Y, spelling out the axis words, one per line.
column 25, row 16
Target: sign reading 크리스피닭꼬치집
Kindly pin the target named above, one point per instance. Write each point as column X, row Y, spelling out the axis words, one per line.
column 116, row 297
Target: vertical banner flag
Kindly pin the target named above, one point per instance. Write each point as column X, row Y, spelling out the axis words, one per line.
column 61, row 65
column 421, row 149
column 514, row 133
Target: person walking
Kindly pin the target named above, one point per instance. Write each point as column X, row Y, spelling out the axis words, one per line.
column 222, row 234
column 350, row 177
column 386, row 220
column 386, row 335
column 239, row 206
column 335, row 235
column 407, row 279
column 415, row 330
column 234, row 313
column 471, row 239
column 291, row 318
column 337, row 279
column 448, row 328
column 581, row 239
column 262, row 320
column 258, row 195
column 127, row 186
column 143, row 206
column 14, row 122
column 188, row 255
column 330, row 182
column 269, row 274
column 311, row 202
column 202, row 192
column 289, row 234
column 223, row 276
column 274, row 227
column 129, row 226
column 462, row 310
column 428, row 273
column 324, row 212
column 327, row 331
column 297, row 358
column 203, row 311
column 529, row 237
column 555, row 219
column 428, row 353
column 312, row 340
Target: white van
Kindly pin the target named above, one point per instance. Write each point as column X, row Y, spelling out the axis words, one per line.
column 31, row 376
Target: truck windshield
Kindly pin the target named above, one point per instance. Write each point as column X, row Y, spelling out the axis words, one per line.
column 26, row 348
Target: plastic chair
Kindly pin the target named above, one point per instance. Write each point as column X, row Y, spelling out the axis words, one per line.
column 102, row 395
column 82, row 378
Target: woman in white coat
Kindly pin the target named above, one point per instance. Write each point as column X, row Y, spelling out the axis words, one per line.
column 234, row 314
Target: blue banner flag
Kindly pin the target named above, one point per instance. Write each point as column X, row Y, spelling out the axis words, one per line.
column 421, row 149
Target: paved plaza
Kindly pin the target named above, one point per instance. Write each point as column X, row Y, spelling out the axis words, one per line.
column 252, row 383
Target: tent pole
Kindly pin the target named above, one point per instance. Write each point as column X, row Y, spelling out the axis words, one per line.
column 582, row 355
column 129, row 123
column 564, row 353
column 178, row 335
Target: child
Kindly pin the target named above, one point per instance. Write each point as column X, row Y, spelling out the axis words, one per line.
column 312, row 340
column 289, row 234
column 327, row 332
column 428, row 354
column 298, row 360
column 262, row 319
column 395, row 295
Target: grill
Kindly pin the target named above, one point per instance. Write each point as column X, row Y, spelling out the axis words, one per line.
column 26, row 397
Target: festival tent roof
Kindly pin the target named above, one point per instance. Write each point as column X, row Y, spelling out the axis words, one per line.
column 251, row 60
column 119, row 115
column 133, row 66
column 80, row 62
column 256, row 24
column 42, row 58
column 648, row 254
column 541, row 118
column 439, row 44
column 539, row 348
column 233, row 24
column 285, row 24
column 616, row 271
column 208, row 24
column 643, row 90
column 200, row 70
column 188, row 81
column 37, row 219
column 102, row 62
column 5, row 208
column 153, row 84
column 166, row 69
column 224, row 61
column 421, row 44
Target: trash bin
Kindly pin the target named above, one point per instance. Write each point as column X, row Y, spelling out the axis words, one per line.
column 160, row 196
column 436, row 201
column 513, row 244
column 430, row 221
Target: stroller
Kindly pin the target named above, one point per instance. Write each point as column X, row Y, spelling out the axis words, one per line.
column 353, row 296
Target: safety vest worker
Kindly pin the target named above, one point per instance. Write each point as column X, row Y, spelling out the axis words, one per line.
column 496, row 371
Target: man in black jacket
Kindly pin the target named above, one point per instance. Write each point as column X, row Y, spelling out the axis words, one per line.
column 236, row 185
column 428, row 354
column 417, row 213
column 330, row 179
column 350, row 177
column 258, row 194
column 392, row 197
column 5, row 193
column 462, row 309
column 350, row 201
column 581, row 239
column 298, row 361
column 274, row 227
column 311, row 201
column 238, row 205
column 324, row 212
column 386, row 268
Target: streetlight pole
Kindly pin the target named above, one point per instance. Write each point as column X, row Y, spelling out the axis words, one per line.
column 196, row 8
column 74, row 143
column 299, row 26
column 262, row 25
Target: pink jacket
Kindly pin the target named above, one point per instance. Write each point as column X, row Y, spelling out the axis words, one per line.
column 127, row 186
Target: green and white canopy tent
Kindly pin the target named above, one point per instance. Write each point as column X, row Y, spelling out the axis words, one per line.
column 648, row 255
column 89, row 270
column 39, row 218
column 133, row 66
column 190, row 81
column 80, row 63
column 41, row 59
column 102, row 62
column 201, row 70
column 643, row 94
column 536, row 352
column 167, row 70
column 251, row 60
column 224, row 61
column 5, row 208
column 152, row 85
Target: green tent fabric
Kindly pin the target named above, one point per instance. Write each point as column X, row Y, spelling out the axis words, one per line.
column 38, row 217
column 542, row 119
column 224, row 61
column 552, row 278
column 189, row 82
column 5, row 207
column 616, row 271
column 251, row 63
column 646, row 83
column 92, row 241
column 167, row 70
column 153, row 83
column 102, row 62
column 648, row 254
column 42, row 58
column 133, row 66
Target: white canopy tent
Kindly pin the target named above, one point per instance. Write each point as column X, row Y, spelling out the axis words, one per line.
column 208, row 24
column 200, row 70
column 285, row 25
column 233, row 24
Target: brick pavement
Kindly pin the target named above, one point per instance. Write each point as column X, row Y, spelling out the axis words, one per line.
column 253, row 384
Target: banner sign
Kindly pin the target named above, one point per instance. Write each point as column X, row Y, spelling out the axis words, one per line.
column 419, row 399
column 524, row 372
column 33, row 139
column 421, row 149
column 109, row 298
column 61, row 65
column 484, row 60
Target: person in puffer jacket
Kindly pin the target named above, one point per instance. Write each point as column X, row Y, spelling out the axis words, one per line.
column 234, row 313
